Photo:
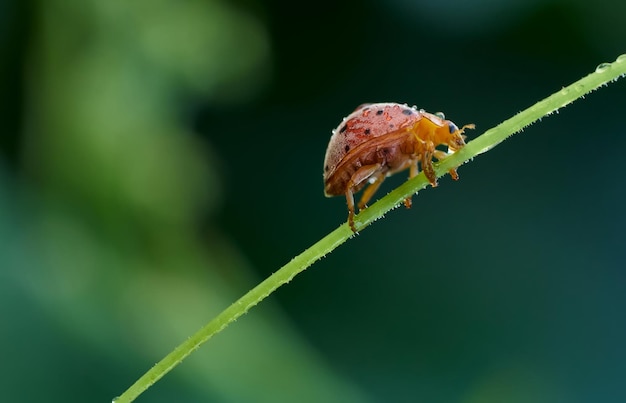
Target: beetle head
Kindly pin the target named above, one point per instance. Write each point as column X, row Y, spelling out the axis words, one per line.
column 457, row 138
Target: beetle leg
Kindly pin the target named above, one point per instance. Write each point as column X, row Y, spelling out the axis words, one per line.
column 427, row 164
column 371, row 189
column 350, row 200
column 361, row 174
column 413, row 171
column 441, row 155
column 454, row 174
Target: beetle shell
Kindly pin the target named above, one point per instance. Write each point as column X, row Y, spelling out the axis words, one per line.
column 378, row 140
column 367, row 122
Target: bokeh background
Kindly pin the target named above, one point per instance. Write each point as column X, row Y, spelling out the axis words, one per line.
column 159, row 158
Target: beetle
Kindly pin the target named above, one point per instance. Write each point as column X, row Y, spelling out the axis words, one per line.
column 380, row 139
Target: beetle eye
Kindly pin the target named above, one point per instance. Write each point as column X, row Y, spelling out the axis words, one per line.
column 452, row 127
column 440, row 115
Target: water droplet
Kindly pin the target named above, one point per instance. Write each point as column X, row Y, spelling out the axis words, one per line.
column 603, row 67
column 621, row 58
column 579, row 87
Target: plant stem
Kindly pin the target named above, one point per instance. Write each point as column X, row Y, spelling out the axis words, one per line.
column 604, row 74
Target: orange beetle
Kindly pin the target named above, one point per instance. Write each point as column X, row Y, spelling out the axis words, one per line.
column 378, row 140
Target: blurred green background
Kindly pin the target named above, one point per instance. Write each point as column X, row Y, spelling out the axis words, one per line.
column 159, row 158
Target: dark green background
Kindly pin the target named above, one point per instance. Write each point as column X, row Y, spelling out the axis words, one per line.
column 159, row 158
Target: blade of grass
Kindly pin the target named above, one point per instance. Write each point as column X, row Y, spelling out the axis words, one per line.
column 604, row 74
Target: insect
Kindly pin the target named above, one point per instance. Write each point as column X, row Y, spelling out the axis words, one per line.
column 377, row 140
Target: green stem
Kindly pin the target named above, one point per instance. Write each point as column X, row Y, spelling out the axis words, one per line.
column 604, row 74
